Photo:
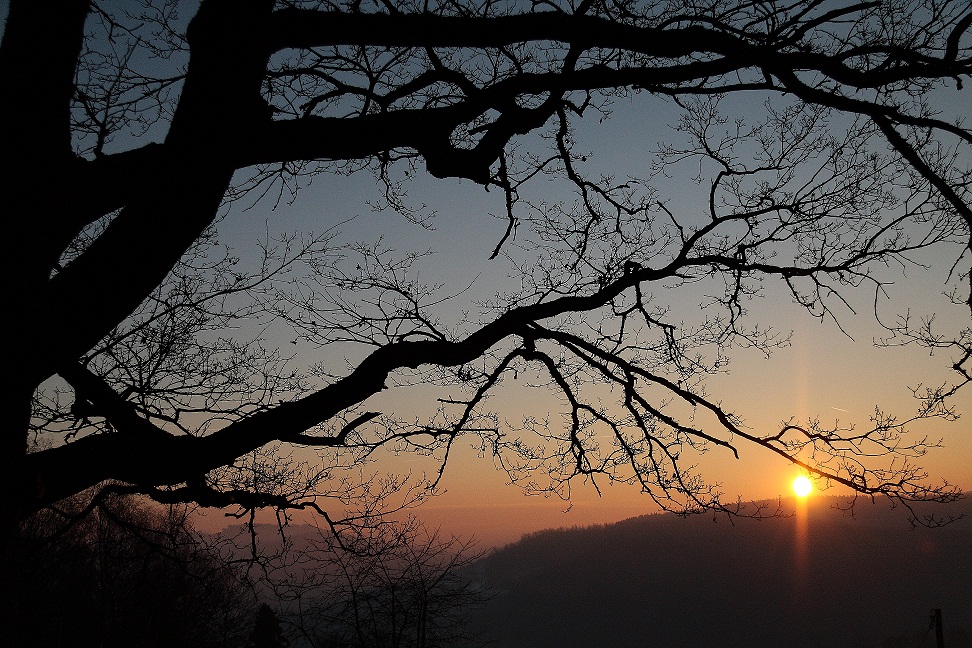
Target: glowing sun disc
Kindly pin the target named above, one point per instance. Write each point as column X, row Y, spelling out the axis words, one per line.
column 802, row 486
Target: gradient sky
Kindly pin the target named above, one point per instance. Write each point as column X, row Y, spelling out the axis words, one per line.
column 825, row 373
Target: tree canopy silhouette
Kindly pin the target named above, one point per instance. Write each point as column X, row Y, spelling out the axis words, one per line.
column 267, row 632
column 129, row 573
column 127, row 130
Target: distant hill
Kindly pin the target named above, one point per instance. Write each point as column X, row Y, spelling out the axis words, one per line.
column 659, row 580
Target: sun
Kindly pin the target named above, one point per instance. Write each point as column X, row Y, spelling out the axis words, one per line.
column 802, row 486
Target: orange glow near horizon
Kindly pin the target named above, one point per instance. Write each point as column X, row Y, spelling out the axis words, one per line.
column 802, row 486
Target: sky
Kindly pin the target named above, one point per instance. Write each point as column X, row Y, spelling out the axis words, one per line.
column 834, row 373
column 827, row 372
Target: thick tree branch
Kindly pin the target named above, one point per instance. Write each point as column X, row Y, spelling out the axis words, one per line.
column 293, row 28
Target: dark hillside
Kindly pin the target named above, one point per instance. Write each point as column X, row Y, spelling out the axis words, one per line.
column 867, row 580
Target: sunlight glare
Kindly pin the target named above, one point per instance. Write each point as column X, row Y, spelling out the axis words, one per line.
column 802, row 486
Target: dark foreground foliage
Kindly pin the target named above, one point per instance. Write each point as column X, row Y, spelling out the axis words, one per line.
column 124, row 575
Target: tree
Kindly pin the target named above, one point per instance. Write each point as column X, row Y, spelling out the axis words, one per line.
column 393, row 584
column 267, row 632
column 129, row 130
column 126, row 572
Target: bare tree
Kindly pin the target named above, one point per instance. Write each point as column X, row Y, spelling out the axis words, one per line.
column 127, row 131
column 393, row 584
